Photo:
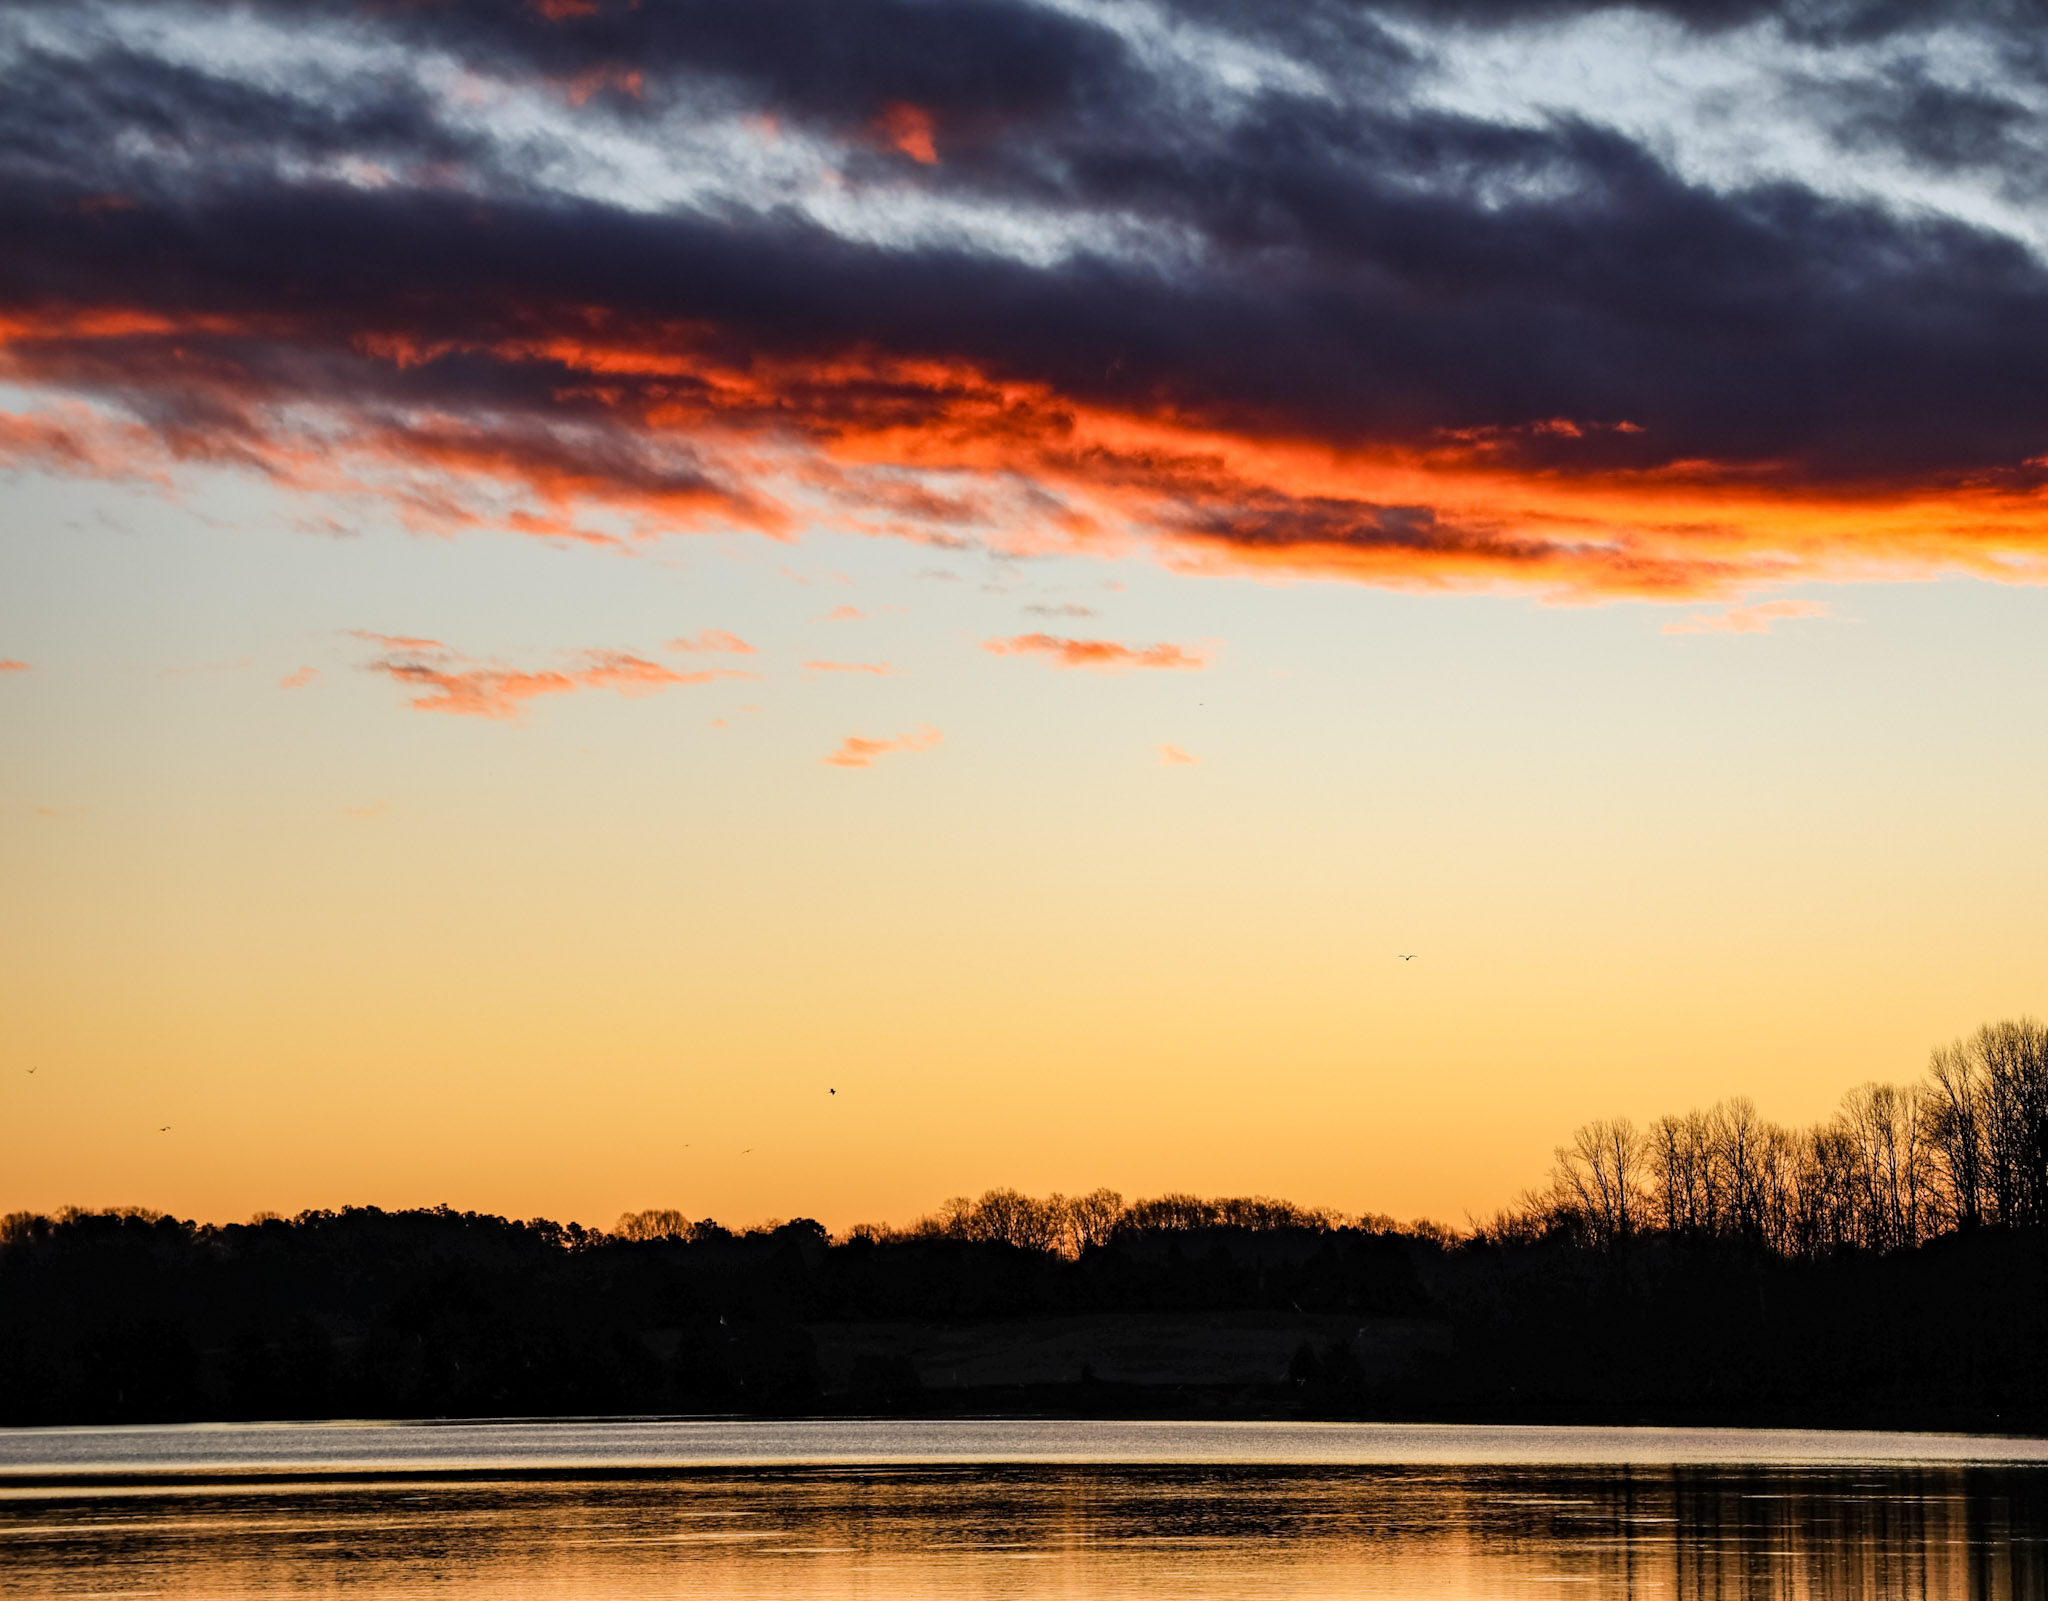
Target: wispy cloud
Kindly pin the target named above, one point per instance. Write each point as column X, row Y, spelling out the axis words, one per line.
column 858, row 751
column 879, row 669
column 398, row 641
column 714, row 641
column 1105, row 654
column 1067, row 608
column 839, row 614
column 453, row 683
column 10, row 665
column 299, row 678
column 1174, row 756
column 1750, row 619
column 374, row 809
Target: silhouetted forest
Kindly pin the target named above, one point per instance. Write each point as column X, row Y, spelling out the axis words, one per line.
column 1886, row 1267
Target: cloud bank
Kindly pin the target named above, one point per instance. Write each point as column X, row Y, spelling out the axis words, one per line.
column 1669, row 300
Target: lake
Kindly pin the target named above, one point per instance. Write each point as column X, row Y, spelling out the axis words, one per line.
column 882, row 1509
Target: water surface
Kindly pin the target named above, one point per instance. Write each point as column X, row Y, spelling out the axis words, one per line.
column 714, row 1442
column 819, row 1511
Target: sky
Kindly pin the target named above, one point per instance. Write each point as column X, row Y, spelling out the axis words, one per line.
column 797, row 608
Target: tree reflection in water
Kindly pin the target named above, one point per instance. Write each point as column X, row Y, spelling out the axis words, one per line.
column 1054, row 1531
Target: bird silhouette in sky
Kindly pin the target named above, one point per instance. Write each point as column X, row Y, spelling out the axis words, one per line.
column 1411, row 956
column 749, row 1151
column 165, row 1129
column 831, row 1092
column 31, row 1070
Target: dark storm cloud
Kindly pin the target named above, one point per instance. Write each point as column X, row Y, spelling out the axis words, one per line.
column 1769, row 327
column 114, row 115
column 1360, row 269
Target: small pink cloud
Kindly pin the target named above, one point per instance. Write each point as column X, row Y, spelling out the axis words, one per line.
column 411, row 642
column 840, row 614
column 11, row 666
column 1174, row 756
column 1750, row 619
column 879, row 669
column 450, row 685
column 716, row 641
column 856, row 751
column 1098, row 653
column 299, row 678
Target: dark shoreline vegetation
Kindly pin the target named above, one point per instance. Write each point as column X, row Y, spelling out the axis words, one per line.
column 1888, row 1267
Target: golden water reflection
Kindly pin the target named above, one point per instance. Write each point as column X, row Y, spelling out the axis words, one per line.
column 1070, row 1532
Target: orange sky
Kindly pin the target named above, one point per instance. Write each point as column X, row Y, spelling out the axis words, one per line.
column 609, row 606
column 609, row 945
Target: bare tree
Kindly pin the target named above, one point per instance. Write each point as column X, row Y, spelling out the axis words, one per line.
column 1092, row 1218
column 1688, row 1173
column 1955, row 1106
column 1740, row 1140
column 2013, row 1057
column 1172, row 1211
column 661, row 1223
column 1777, row 1169
column 1600, row 1175
column 1671, row 1174
column 1888, row 1177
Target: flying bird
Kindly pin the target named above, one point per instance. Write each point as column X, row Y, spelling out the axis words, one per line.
column 165, row 1129
column 1411, row 956
column 831, row 1092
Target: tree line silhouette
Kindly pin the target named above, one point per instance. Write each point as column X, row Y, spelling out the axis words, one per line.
column 1058, row 1225
column 1887, row 1265
column 1895, row 1167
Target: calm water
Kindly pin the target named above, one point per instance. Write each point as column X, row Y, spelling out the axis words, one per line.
column 1028, row 1510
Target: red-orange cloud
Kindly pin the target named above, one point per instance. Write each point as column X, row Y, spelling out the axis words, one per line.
column 857, row 751
column 12, row 666
column 298, row 678
column 1105, row 654
column 665, row 429
column 1174, row 756
column 910, row 129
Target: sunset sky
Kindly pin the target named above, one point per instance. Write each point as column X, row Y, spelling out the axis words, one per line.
column 576, row 575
